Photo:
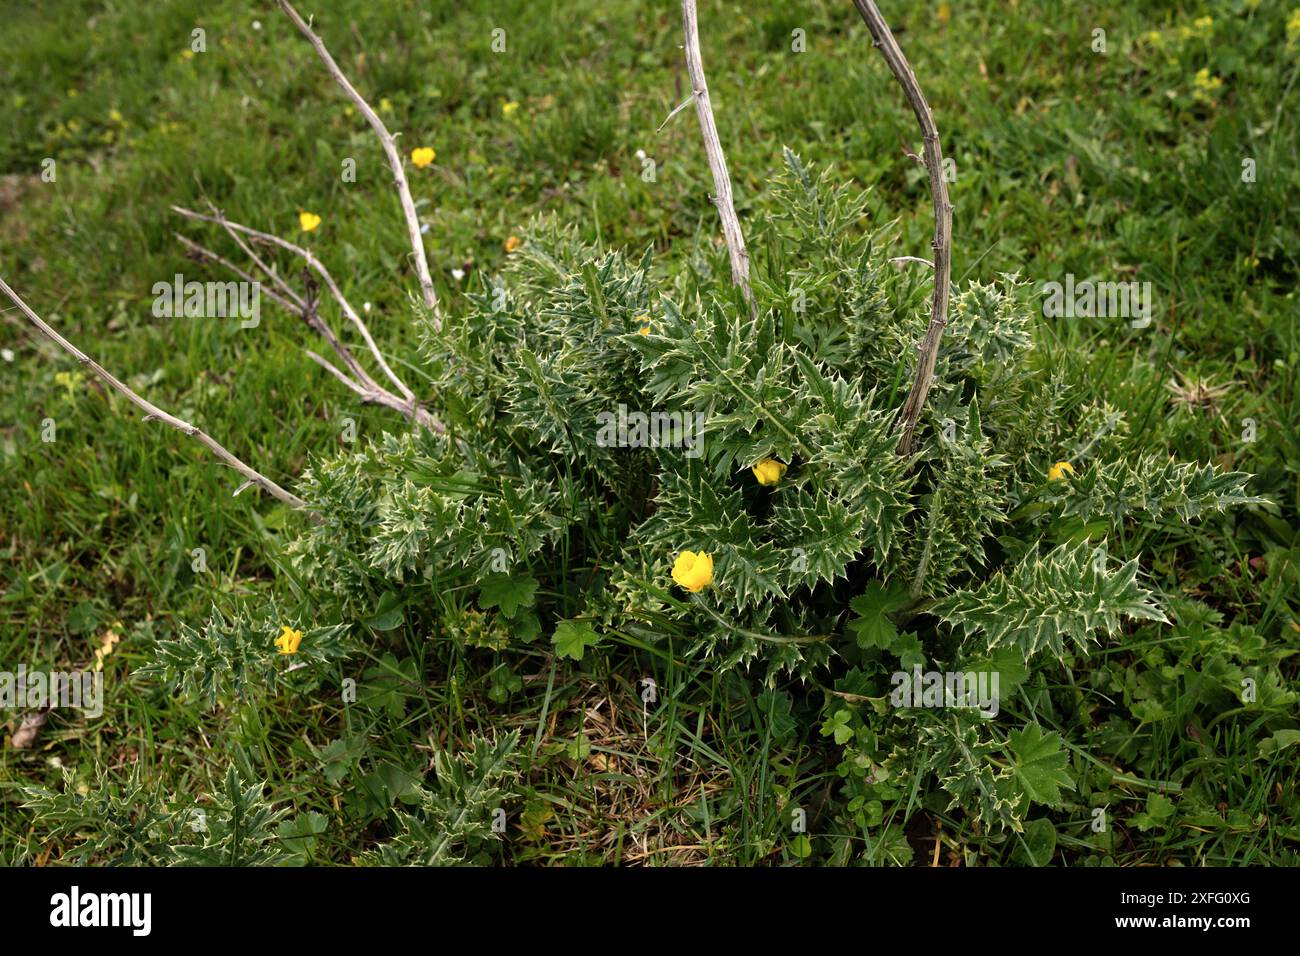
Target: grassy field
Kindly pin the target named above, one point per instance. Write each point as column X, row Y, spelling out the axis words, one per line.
column 1123, row 164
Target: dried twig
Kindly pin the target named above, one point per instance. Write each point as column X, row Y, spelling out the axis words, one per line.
column 360, row 380
column 319, row 267
column 901, row 261
column 151, row 410
column 942, row 243
column 717, row 162
column 389, row 143
column 676, row 109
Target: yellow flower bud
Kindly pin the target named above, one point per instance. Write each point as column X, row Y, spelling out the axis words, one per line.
column 1058, row 471
column 288, row 640
column 693, row 571
column 768, row 471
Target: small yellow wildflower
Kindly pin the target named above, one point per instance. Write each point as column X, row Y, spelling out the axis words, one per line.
column 309, row 221
column 1205, row 85
column 693, row 571
column 645, row 325
column 1203, row 24
column 115, row 115
column 508, row 109
column 768, row 471
column 288, row 640
column 1154, row 37
column 423, row 156
column 385, row 105
column 512, row 244
column 69, row 380
column 1058, row 471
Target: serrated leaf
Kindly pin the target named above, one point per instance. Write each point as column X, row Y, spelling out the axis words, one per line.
column 572, row 638
column 509, row 592
column 872, row 626
column 1038, row 765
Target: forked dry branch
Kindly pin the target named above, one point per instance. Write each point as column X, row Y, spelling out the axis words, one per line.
column 363, row 384
column 357, row 378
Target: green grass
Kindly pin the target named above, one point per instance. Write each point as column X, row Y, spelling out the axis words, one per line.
column 1068, row 161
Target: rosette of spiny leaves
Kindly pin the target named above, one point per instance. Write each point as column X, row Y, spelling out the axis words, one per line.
column 234, row 653
column 127, row 822
column 453, row 816
column 123, row 820
column 845, row 494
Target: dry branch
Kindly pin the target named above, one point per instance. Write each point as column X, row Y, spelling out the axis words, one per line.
column 151, row 410
column 942, row 242
column 360, row 380
column 717, row 162
column 389, row 143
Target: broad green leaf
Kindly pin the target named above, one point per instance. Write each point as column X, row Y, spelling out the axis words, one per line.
column 509, row 592
column 572, row 638
column 1038, row 765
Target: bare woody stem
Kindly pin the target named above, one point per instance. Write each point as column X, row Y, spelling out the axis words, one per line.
column 357, row 379
column 389, row 143
column 319, row 267
column 717, row 161
column 910, row 413
column 151, row 410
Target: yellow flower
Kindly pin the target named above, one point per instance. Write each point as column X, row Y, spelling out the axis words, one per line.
column 309, row 221
column 1203, row 24
column 645, row 325
column 423, row 156
column 115, row 115
column 69, row 380
column 288, row 640
column 768, row 471
column 1205, row 81
column 385, row 105
column 1205, row 85
column 1058, row 471
column 693, row 571
column 512, row 244
column 508, row 109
